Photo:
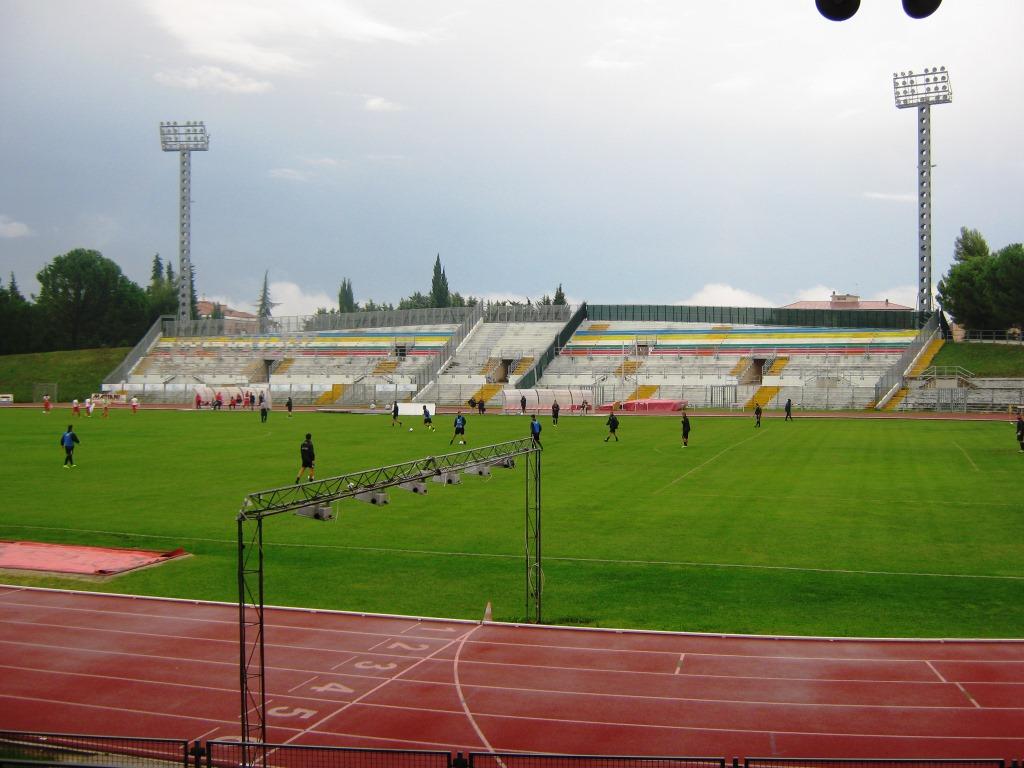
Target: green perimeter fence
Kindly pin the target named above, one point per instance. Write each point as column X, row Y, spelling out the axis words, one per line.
column 70, row 751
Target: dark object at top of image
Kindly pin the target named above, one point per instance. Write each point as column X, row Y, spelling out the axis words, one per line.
column 841, row 10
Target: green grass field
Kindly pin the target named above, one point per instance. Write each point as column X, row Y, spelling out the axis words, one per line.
column 819, row 526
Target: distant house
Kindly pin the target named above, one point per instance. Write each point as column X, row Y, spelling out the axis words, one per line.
column 846, row 301
column 235, row 320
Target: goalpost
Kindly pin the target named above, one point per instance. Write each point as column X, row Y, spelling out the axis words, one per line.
column 44, row 388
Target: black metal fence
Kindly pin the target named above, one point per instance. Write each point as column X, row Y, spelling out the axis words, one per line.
column 825, row 318
column 82, row 751
column 109, row 751
column 519, row 760
column 225, row 754
column 789, row 762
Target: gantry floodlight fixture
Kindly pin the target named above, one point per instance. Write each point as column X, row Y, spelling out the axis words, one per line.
column 314, row 500
column 841, row 10
column 184, row 138
column 921, row 90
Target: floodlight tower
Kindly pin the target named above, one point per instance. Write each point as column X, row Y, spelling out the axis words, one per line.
column 184, row 138
column 921, row 90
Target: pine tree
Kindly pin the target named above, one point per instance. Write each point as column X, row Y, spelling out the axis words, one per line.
column 169, row 273
column 559, row 296
column 265, row 306
column 13, row 293
column 439, row 293
column 156, row 276
column 346, row 297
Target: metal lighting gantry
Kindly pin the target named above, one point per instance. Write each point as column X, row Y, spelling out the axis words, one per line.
column 921, row 90
column 313, row 500
column 184, row 138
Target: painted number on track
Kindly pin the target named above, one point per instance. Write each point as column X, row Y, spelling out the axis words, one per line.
column 302, row 714
column 371, row 665
column 397, row 646
column 332, row 688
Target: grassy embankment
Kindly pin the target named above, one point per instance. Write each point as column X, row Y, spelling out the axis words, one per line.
column 78, row 373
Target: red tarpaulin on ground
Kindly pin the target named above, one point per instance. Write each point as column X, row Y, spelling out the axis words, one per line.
column 93, row 561
column 645, row 406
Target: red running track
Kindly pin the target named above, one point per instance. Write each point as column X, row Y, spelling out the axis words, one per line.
column 126, row 666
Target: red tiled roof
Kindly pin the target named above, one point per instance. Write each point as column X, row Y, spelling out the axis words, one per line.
column 846, row 305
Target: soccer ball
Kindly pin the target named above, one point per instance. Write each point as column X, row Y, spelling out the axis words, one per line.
column 462, row 442
column 410, row 429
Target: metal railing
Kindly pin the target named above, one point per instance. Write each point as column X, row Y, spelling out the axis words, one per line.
column 71, row 751
column 113, row 751
column 1000, row 337
column 139, row 351
column 897, row 371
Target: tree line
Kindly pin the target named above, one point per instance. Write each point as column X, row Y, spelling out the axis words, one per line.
column 85, row 301
column 439, row 296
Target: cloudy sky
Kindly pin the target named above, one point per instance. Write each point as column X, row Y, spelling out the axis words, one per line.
column 728, row 152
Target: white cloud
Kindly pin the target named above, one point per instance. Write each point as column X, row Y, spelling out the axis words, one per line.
column 10, row 229
column 321, row 162
column 740, row 83
column 267, row 35
column 899, row 294
column 380, row 104
column 292, row 299
column 607, row 60
column 288, row 174
column 211, row 79
column 891, row 197
column 721, row 295
column 382, row 158
column 814, row 293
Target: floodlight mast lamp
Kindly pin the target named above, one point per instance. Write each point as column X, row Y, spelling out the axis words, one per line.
column 921, row 90
column 305, row 500
column 184, row 138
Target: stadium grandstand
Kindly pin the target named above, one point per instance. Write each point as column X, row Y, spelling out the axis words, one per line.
column 839, row 354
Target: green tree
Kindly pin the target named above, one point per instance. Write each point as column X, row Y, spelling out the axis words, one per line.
column 559, row 296
column 156, row 275
column 265, row 307
column 346, row 297
column 16, row 315
column 86, row 301
column 439, row 293
column 416, row 301
column 162, row 294
column 964, row 293
column 217, row 312
column 1007, row 289
column 969, row 245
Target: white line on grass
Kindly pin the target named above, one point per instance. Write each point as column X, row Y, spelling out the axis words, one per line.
column 967, row 456
column 597, row 560
column 705, row 463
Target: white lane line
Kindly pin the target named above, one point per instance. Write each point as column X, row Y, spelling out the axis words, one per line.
column 937, row 673
column 1016, row 738
column 373, row 690
column 462, row 697
column 969, row 697
column 304, row 682
column 547, row 691
column 233, row 622
column 679, row 664
column 162, row 715
column 190, row 638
